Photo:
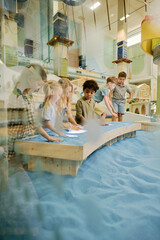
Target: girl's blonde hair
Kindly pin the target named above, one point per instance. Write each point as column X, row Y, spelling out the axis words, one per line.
column 112, row 79
column 65, row 100
column 50, row 85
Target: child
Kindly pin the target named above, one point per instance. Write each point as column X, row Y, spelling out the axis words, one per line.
column 85, row 106
column 102, row 94
column 119, row 96
column 64, row 103
column 53, row 92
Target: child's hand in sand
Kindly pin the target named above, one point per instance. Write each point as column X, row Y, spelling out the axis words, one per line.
column 53, row 139
column 77, row 127
column 62, row 134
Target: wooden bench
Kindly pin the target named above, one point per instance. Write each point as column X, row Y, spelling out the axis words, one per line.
column 149, row 126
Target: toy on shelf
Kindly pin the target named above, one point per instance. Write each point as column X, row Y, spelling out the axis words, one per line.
column 141, row 102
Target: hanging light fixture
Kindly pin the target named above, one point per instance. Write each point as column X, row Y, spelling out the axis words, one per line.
column 74, row 2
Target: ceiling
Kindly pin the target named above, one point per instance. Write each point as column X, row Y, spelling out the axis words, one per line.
column 136, row 9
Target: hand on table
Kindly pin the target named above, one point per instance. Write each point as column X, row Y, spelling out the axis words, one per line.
column 77, row 127
column 105, row 124
column 53, row 139
column 62, row 134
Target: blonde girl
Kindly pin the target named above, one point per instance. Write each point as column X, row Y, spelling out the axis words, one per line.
column 53, row 92
column 64, row 103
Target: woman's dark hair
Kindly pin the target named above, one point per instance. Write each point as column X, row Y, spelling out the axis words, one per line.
column 39, row 69
column 91, row 84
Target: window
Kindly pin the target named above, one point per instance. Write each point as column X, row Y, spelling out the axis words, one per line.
column 134, row 40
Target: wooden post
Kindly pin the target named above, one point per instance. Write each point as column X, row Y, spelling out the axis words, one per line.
column 122, row 61
column 3, row 112
column 158, row 92
column 3, row 173
column 109, row 23
column 54, row 165
column 145, row 1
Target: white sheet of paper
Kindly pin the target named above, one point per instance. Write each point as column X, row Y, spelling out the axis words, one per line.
column 73, row 136
column 76, row 131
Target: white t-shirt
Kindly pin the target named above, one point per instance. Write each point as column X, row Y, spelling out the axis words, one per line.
column 49, row 114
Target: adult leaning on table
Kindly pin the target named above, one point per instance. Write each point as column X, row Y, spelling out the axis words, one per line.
column 31, row 79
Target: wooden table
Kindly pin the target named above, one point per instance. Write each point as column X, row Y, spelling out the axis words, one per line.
column 67, row 158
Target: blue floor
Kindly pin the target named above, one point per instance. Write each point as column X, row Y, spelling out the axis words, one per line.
column 116, row 196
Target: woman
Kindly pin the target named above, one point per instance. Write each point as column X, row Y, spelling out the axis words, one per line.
column 32, row 78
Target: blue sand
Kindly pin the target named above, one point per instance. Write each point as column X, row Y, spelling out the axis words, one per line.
column 82, row 138
column 116, row 196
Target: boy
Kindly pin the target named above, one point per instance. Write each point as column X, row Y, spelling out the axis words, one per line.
column 102, row 94
column 85, row 105
column 119, row 96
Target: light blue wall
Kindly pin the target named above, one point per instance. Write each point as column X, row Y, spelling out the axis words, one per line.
column 72, row 34
column 46, row 12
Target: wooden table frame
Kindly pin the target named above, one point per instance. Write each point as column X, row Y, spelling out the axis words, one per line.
column 67, row 159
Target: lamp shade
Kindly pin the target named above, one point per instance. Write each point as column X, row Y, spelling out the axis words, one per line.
column 74, row 2
column 21, row 1
column 150, row 31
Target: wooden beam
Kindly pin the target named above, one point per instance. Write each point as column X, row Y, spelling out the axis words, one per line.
column 63, row 151
column 122, row 60
column 108, row 15
column 145, row 3
column 54, row 165
column 3, row 173
column 56, row 39
column 74, row 25
column 83, row 21
column 94, row 14
column 149, row 126
column 125, row 10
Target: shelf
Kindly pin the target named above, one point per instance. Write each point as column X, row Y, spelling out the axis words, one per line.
column 122, row 60
column 56, row 39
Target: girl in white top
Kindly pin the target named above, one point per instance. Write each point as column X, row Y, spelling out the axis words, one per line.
column 53, row 92
column 64, row 104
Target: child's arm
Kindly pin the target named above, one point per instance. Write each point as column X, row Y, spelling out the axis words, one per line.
column 79, row 109
column 40, row 129
column 71, row 119
column 110, row 95
column 45, row 135
column 109, row 106
column 110, row 100
column 48, row 125
column 82, row 119
column 112, row 106
column 130, row 97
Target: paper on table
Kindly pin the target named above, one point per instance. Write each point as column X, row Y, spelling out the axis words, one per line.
column 76, row 131
column 73, row 136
